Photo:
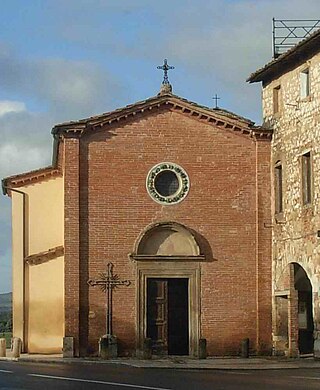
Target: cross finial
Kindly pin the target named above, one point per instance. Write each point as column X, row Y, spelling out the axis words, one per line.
column 216, row 98
column 165, row 67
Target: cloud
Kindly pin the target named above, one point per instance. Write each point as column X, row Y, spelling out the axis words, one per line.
column 221, row 43
column 25, row 144
column 60, row 89
column 7, row 106
column 215, row 45
column 32, row 158
column 68, row 89
column 26, row 141
column 73, row 89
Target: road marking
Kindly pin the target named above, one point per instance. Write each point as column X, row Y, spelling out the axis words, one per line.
column 7, row 371
column 237, row 373
column 317, row 378
column 98, row 382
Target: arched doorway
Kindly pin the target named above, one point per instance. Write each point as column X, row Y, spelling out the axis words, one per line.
column 303, row 286
column 167, row 257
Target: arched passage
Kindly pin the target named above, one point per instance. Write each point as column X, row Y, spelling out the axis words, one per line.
column 293, row 312
column 303, row 286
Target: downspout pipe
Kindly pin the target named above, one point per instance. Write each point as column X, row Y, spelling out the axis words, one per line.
column 24, row 253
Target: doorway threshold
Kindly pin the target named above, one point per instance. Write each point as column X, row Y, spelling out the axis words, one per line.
column 306, row 355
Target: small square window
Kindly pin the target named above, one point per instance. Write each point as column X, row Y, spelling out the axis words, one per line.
column 305, row 83
column 276, row 99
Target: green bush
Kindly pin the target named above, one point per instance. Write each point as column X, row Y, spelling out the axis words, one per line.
column 6, row 327
column 6, row 322
column 7, row 336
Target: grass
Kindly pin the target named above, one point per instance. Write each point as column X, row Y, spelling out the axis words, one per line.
column 7, row 336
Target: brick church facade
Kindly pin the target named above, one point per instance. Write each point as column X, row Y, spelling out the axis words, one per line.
column 177, row 197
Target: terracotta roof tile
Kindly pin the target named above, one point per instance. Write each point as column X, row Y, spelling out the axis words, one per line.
column 81, row 124
column 22, row 179
column 218, row 116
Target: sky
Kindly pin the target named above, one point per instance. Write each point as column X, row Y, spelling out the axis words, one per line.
column 64, row 60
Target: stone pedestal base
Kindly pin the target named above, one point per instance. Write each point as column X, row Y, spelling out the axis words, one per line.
column 280, row 345
column 147, row 349
column 68, row 347
column 244, row 350
column 16, row 347
column 108, row 346
column 316, row 349
column 2, row 347
column 202, row 349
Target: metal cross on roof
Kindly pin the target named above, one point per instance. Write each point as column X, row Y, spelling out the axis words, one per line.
column 165, row 67
column 216, row 98
column 107, row 282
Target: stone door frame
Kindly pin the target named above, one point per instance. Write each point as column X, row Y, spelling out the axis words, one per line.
column 169, row 269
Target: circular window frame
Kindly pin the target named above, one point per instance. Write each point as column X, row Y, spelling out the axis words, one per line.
column 183, row 178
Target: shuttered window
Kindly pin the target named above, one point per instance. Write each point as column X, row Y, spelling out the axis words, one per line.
column 278, row 188
column 306, row 178
column 305, row 83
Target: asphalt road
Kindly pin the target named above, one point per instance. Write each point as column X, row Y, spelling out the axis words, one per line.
column 25, row 376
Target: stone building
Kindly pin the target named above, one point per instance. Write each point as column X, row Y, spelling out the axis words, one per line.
column 177, row 197
column 291, row 107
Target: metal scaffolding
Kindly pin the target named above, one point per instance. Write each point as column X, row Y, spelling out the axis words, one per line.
column 286, row 33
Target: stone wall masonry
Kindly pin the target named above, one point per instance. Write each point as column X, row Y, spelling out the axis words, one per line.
column 296, row 131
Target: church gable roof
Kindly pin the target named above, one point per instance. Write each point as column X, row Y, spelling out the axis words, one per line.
column 27, row 178
column 289, row 60
column 216, row 116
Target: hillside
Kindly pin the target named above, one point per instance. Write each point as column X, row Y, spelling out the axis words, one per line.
column 5, row 302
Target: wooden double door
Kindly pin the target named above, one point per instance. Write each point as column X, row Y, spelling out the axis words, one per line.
column 168, row 315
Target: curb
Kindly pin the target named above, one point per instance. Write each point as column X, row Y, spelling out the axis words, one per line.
column 227, row 366
column 10, row 359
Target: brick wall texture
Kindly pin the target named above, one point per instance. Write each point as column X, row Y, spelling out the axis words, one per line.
column 108, row 207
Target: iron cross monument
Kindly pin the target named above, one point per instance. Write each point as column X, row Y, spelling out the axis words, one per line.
column 107, row 281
